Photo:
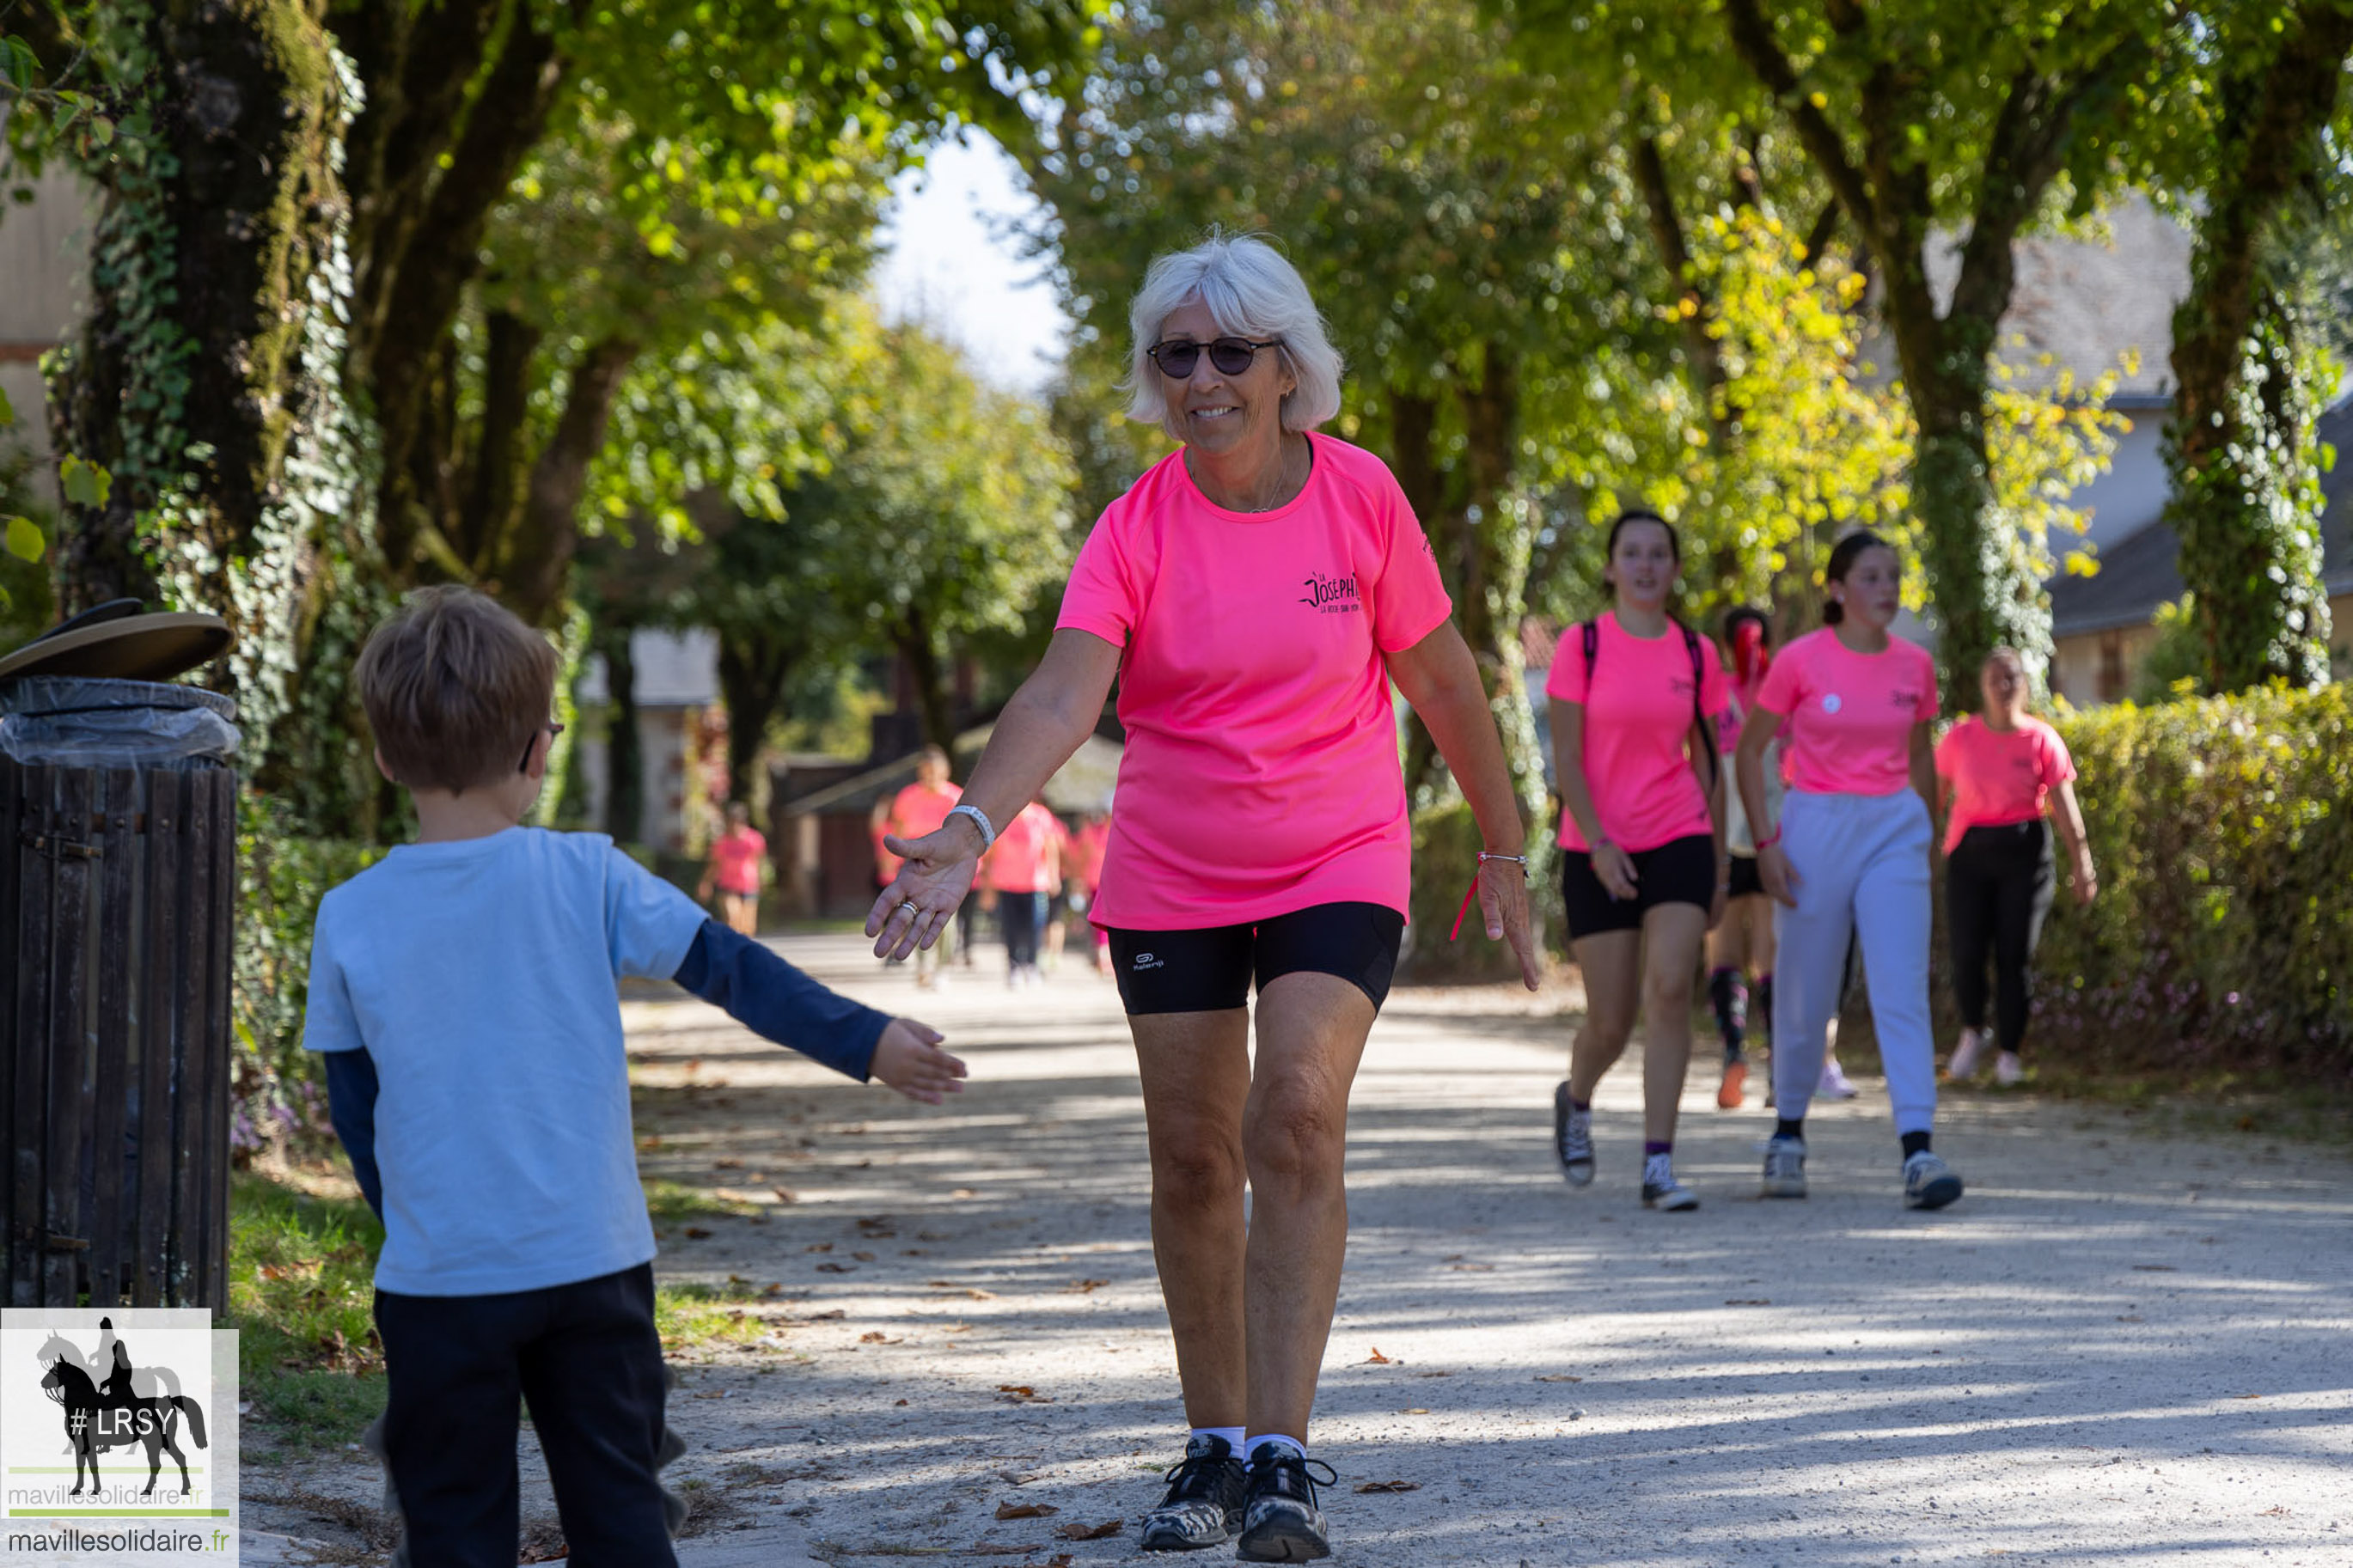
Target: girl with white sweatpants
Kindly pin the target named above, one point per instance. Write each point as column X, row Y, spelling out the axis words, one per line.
column 1849, row 858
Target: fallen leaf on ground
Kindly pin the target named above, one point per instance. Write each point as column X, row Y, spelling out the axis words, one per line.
column 1026, row 1510
column 729, row 1163
column 876, row 1337
column 1062, row 1559
column 2155, row 1269
column 1749, row 1302
column 1441, row 1372
column 964, row 1193
column 773, row 1288
column 863, row 1257
column 1077, row 1531
column 1417, row 1410
column 1082, row 1287
column 1390, row 1487
column 2246, row 1396
column 834, row 1316
column 1557, row 1377
column 1022, row 1394
column 818, row 1247
column 984, row 1549
column 836, row 1267
column 784, row 1196
column 1376, row 1358
column 695, row 1233
column 1472, row 1268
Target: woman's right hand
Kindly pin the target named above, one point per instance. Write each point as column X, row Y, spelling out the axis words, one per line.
column 1780, row 877
column 1615, row 869
column 921, row 898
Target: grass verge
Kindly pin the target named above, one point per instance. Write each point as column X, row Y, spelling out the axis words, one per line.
column 300, row 1292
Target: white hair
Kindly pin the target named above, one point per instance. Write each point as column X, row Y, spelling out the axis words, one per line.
column 1250, row 291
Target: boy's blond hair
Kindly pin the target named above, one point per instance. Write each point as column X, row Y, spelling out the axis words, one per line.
column 455, row 686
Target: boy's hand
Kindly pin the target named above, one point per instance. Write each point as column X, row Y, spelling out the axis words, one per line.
column 908, row 1057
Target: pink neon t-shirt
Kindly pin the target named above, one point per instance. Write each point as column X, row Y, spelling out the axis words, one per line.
column 1017, row 861
column 736, row 860
column 1850, row 714
column 1086, row 852
column 1262, row 775
column 915, row 811
column 1638, row 716
column 2001, row 777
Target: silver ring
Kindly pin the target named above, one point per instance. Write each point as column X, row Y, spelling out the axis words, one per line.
column 911, row 904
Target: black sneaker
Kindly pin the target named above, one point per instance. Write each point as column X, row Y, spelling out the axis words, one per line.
column 1280, row 1523
column 1204, row 1505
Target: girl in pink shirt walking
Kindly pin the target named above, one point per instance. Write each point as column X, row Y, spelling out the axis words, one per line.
column 1849, row 856
column 1256, row 593
column 1644, row 872
column 1999, row 776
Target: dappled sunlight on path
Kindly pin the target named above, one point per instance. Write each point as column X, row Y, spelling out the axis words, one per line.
column 2119, row 1348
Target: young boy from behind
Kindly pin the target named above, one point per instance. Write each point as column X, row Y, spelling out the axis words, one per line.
column 463, row 991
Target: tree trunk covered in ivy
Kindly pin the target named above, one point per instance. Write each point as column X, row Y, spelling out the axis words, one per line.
column 206, row 378
column 2240, row 448
column 1886, row 182
column 753, row 668
column 625, row 791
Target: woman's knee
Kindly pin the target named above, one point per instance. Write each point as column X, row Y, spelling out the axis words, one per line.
column 1198, row 1166
column 1299, row 1134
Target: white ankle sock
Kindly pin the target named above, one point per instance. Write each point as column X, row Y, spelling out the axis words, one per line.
column 1232, row 1434
column 1294, row 1444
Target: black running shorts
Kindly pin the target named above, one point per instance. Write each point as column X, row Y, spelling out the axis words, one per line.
column 1746, row 881
column 1210, row 970
column 1680, row 871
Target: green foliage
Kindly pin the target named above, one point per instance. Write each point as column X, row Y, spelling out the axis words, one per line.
column 2176, row 665
column 301, row 1272
column 281, row 876
column 2221, row 936
column 25, row 599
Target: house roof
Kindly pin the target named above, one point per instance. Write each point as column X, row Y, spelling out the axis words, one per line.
column 2143, row 572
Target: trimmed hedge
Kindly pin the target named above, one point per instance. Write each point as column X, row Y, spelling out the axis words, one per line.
column 2222, row 937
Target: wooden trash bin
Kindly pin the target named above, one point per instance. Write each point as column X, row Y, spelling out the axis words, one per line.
column 117, row 885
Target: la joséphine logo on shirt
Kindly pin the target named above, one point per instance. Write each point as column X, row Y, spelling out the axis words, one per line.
column 1332, row 595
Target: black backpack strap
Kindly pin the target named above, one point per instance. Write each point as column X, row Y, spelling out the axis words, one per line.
column 1696, row 646
column 1589, row 634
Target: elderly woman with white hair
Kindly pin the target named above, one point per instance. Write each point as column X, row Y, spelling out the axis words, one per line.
column 1256, row 593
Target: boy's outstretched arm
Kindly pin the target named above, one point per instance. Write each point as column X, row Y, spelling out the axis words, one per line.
column 351, row 1106
column 772, row 999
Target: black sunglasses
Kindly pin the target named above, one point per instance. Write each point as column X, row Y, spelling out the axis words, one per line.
column 1232, row 356
column 553, row 729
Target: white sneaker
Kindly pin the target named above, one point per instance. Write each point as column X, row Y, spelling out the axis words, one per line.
column 2008, row 1070
column 1785, row 1168
column 1928, row 1181
column 1966, row 1055
column 1662, row 1191
column 1572, row 1139
column 1834, row 1084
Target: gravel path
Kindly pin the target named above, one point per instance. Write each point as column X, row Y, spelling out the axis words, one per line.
column 2119, row 1348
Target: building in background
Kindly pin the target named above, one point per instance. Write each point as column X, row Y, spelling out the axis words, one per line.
column 42, row 246
column 674, row 693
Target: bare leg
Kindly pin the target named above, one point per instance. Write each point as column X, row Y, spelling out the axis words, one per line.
column 1196, row 1078
column 1311, row 1036
column 1611, row 965
column 1671, row 935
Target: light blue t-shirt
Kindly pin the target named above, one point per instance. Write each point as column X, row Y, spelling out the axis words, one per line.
column 481, row 977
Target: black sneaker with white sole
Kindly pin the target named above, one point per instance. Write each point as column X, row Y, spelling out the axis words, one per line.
column 1280, row 1523
column 1572, row 1139
column 1203, row 1503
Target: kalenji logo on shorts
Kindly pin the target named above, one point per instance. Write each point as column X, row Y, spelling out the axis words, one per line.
column 1149, row 961
column 1332, row 595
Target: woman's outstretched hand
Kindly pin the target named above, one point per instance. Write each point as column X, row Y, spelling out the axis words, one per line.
column 1504, row 905
column 923, row 898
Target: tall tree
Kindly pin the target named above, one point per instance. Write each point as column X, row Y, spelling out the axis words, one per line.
column 1928, row 118
column 2240, row 446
